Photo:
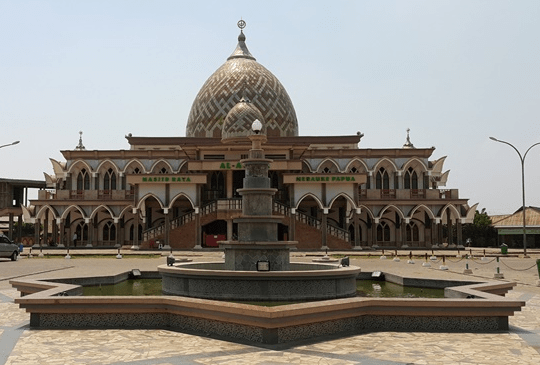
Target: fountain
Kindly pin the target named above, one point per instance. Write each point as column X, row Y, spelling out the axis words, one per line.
column 257, row 266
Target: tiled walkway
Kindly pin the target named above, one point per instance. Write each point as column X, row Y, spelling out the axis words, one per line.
column 21, row 345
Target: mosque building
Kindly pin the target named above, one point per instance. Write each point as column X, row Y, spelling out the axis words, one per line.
column 181, row 192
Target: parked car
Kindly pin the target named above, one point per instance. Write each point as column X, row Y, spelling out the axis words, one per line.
column 8, row 248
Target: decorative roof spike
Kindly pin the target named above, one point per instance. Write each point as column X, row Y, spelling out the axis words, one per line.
column 408, row 143
column 241, row 50
column 80, row 146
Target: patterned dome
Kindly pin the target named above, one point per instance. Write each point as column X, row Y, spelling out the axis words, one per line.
column 237, row 125
column 241, row 75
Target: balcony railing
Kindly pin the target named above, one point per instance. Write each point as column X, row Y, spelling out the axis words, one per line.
column 388, row 193
column 76, row 194
column 407, row 194
column 104, row 194
column 95, row 194
column 418, row 193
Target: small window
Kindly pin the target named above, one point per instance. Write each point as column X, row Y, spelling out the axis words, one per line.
column 214, row 157
column 276, row 157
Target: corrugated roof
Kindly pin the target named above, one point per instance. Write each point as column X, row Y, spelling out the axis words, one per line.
column 532, row 218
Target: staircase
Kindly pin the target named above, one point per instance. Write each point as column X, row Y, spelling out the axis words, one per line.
column 308, row 228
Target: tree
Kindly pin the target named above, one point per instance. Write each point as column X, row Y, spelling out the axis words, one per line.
column 481, row 232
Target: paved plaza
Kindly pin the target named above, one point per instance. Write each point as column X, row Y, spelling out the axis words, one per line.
column 21, row 345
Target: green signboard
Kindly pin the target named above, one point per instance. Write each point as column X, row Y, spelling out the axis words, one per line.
column 166, row 179
column 509, row 231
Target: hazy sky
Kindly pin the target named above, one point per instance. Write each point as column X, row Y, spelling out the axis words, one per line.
column 455, row 72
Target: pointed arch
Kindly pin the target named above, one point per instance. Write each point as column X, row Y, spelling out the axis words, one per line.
column 418, row 207
column 381, row 163
column 132, row 162
column 306, row 164
column 413, row 160
column 71, row 208
column 157, row 163
column 450, row 207
column 366, row 209
column 99, row 208
column 317, row 200
column 179, row 196
column 75, row 166
column 327, row 161
column 105, row 162
column 127, row 209
column 42, row 211
column 393, row 207
column 148, row 195
column 356, row 160
column 346, row 196
column 183, row 164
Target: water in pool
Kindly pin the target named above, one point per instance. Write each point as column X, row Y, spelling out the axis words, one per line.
column 365, row 288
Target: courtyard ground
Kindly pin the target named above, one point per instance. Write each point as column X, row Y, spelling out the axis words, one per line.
column 19, row 344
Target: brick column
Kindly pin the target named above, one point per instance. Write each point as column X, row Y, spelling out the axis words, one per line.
column 292, row 220
column 324, row 229
column 90, row 223
column 459, row 232
column 37, row 229
column 449, row 229
column 167, row 245
column 135, row 243
column 198, row 229
column 19, row 228
column 54, row 237
column 229, row 183
column 229, row 229
column 60, row 222
column 357, row 238
column 10, row 232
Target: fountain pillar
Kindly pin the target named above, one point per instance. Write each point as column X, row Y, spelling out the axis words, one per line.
column 257, row 227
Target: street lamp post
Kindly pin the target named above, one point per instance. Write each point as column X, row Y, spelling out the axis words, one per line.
column 10, row 144
column 522, row 158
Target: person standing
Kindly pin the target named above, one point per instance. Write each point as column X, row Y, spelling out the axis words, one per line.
column 75, row 239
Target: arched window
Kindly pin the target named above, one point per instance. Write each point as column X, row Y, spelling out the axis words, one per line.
column 163, row 170
column 82, row 231
column 131, row 232
column 83, row 180
column 274, row 179
column 383, row 232
column 109, row 180
column 217, row 186
column 109, row 231
column 351, row 233
column 382, row 180
column 411, row 179
column 137, row 170
column 413, row 233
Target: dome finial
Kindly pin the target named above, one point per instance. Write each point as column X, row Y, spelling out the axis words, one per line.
column 408, row 143
column 241, row 50
column 80, row 146
column 241, row 24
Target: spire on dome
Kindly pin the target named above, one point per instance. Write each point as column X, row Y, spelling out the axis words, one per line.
column 408, row 143
column 80, row 146
column 241, row 50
